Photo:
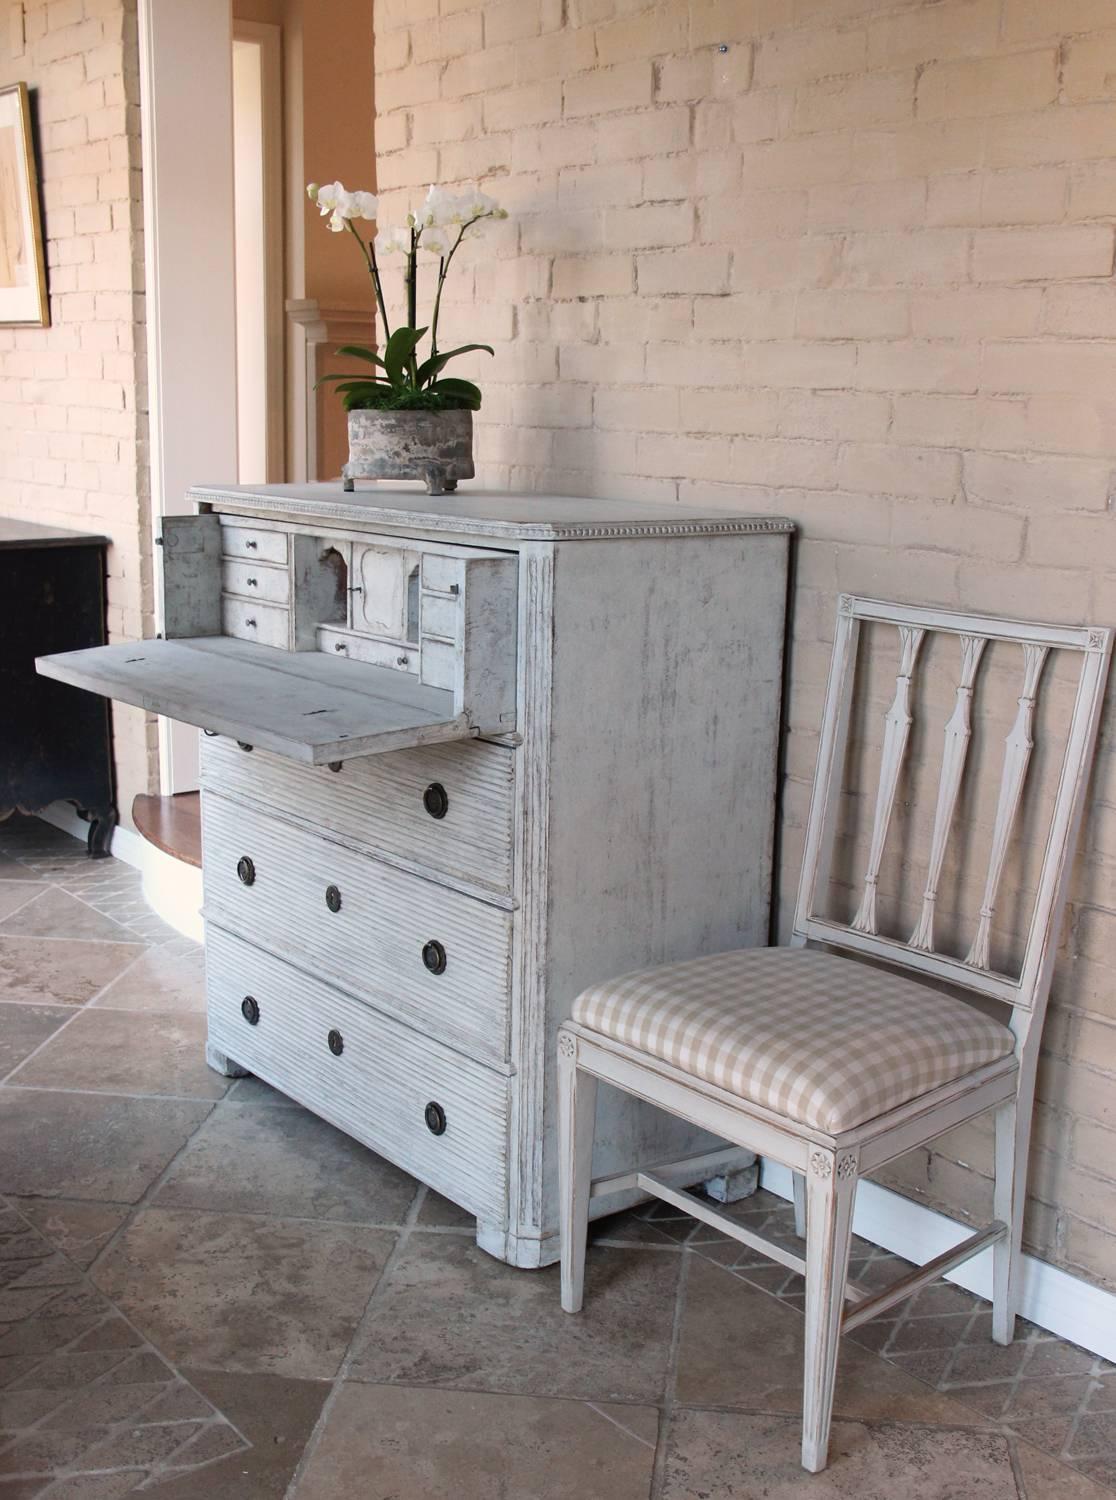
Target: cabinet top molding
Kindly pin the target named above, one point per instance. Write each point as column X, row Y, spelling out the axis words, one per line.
column 524, row 517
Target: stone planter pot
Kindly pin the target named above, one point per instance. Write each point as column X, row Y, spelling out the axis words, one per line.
column 435, row 446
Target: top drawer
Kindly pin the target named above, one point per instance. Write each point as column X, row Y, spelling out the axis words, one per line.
column 446, row 809
column 253, row 542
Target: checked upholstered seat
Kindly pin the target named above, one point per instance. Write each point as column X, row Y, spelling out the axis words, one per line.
column 819, row 1039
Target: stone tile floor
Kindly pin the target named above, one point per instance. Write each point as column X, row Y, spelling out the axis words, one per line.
column 207, row 1292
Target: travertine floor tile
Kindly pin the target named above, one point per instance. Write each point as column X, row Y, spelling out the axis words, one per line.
column 460, row 1445
column 56, row 914
column 733, row 1456
column 89, row 1146
column 286, row 1161
column 741, row 1347
column 451, row 1315
column 232, row 1292
column 79, row 1230
column 121, row 1052
column 82, row 1393
column 25, row 1027
column 14, row 869
column 14, row 894
column 169, row 978
column 40, row 971
column 275, row 1415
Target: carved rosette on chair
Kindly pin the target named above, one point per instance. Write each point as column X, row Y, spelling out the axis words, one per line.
column 434, row 446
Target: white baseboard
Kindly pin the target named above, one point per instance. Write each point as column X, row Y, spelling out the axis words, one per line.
column 1062, row 1304
column 172, row 888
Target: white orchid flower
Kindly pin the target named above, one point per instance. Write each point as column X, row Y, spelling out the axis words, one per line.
column 341, row 204
column 393, row 242
column 365, row 205
column 329, row 196
column 474, row 204
column 440, row 209
column 434, row 240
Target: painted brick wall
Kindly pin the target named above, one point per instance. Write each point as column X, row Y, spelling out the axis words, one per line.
column 73, row 426
column 850, row 260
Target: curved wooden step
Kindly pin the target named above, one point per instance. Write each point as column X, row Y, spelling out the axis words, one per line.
column 172, row 824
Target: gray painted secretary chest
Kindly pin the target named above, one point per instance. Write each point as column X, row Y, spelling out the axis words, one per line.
column 463, row 755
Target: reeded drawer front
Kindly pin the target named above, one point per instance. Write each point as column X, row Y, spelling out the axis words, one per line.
column 247, row 621
column 446, row 808
column 255, row 582
column 430, row 1110
column 253, row 542
column 437, row 959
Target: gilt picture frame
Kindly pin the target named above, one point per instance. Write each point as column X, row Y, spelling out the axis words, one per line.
column 23, row 288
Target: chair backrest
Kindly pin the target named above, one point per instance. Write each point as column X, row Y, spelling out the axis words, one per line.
column 1090, row 647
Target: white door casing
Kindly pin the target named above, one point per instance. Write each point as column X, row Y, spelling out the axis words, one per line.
column 186, row 107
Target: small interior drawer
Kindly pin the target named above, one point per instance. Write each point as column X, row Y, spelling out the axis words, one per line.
column 252, row 581
column 247, row 621
column 356, row 647
column 429, row 1109
column 440, row 615
column 253, row 542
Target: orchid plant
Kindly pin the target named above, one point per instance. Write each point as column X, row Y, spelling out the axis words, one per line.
column 402, row 379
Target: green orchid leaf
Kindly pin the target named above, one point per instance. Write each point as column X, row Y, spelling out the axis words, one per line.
column 398, row 350
column 458, row 390
column 431, row 367
column 358, row 351
column 369, row 379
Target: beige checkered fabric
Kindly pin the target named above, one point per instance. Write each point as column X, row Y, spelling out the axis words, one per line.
column 823, row 1040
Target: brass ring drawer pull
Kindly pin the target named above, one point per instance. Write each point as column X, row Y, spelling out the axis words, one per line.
column 436, row 800
column 434, row 956
column 245, row 870
column 250, row 1010
column 435, row 1117
column 333, row 897
column 336, row 1043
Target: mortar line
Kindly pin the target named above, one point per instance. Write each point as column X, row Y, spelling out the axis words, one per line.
column 145, row 1199
column 658, row 1471
column 403, row 1236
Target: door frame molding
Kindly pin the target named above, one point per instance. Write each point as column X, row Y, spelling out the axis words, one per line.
column 189, row 247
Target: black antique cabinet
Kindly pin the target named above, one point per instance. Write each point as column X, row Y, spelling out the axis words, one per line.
column 55, row 741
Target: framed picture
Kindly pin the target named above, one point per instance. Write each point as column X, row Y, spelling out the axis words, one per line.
column 23, row 294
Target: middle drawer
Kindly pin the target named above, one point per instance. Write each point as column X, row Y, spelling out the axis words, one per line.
column 432, row 956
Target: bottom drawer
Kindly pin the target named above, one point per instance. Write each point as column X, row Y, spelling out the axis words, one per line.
column 425, row 1107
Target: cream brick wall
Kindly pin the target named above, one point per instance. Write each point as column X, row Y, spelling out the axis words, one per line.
column 855, row 267
column 73, row 400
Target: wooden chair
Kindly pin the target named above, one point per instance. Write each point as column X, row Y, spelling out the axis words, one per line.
column 832, row 1066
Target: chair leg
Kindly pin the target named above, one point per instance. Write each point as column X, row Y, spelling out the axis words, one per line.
column 1013, row 1132
column 577, row 1113
column 830, row 1195
column 798, row 1182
